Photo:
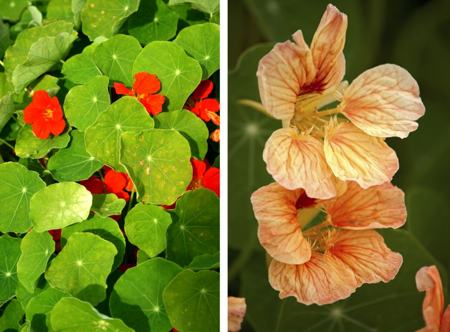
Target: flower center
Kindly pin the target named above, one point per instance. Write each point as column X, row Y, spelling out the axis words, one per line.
column 315, row 226
column 48, row 114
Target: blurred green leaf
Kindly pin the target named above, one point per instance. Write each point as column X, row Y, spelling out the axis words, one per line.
column 10, row 250
column 11, row 316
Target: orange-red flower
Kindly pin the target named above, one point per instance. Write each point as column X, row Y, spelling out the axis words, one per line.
column 322, row 250
column 145, row 89
column 236, row 312
column 429, row 281
column 205, row 176
column 114, row 182
column 333, row 131
column 205, row 108
column 45, row 115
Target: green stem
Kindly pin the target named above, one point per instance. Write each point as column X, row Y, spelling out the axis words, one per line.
column 130, row 202
column 6, row 143
column 2, row 64
column 255, row 105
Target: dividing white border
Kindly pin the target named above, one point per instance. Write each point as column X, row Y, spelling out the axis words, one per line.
column 224, row 165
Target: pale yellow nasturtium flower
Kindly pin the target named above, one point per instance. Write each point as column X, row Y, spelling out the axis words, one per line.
column 322, row 143
column 322, row 250
column 428, row 280
column 236, row 313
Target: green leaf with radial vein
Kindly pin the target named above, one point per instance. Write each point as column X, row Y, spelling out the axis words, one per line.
column 125, row 115
column 17, row 186
column 39, row 307
column 137, row 295
column 146, row 228
column 42, row 56
column 115, row 57
column 71, row 314
column 106, row 228
column 105, row 17
column 12, row 316
column 195, row 231
column 106, row 205
column 82, row 266
column 192, row 301
column 60, row 205
column 153, row 21
column 190, row 126
column 36, row 248
column 73, row 163
column 378, row 307
column 205, row 262
column 10, row 253
column 81, row 68
column 202, row 42
column 64, row 10
column 207, row 6
column 12, row 9
column 158, row 162
column 179, row 73
column 84, row 103
column 29, row 146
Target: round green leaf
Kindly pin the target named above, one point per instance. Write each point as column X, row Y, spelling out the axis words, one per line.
column 60, row 205
column 125, row 115
column 105, row 17
column 29, row 146
column 71, row 314
column 153, row 21
column 106, row 205
column 196, row 230
column 207, row 6
column 11, row 316
column 81, row 68
column 83, row 104
column 115, row 57
column 10, row 252
column 146, row 228
column 36, row 249
column 179, row 73
column 137, row 295
column 12, row 9
column 202, row 42
column 192, row 301
column 17, row 185
column 82, row 266
column 40, row 306
column 61, row 10
column 106, row 228
column 48, row 83
column 158, row 162
column 205, row 262
column 190, row 126
column 73, row 163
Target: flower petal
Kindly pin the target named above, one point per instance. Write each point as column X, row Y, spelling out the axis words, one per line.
column 278, row 230
column 282, row 73
column 327, row 48
column 428, row 280
column 121, row 89
column 353, row 155
column 236, row 313
column 445, row 321
column 379, row 206
column 297, row 161
column 41, row 129
column 145, row 83
column 366, row 254
column 153, row 103
column 384, row 101
column 203, row 90
column 211, row 180
column 57, row 127
column 322, row 280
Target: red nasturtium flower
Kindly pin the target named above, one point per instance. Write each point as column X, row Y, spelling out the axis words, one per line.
column 117, row 183
column 145, row 88
column 45, row 115
column 205, row 108
column 205, row 176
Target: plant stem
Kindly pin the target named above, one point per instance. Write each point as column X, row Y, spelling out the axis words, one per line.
column 255, row 105
column 6, row 143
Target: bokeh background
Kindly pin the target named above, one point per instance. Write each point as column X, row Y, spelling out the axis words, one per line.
column 412, row 33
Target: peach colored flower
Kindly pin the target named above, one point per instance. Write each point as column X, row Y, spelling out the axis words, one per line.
column 320, row 141
column 322, row 250
column 236, row 313
column 428, row 280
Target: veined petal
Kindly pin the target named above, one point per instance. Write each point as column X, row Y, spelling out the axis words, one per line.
column 297, row 161
column 384, row 101
column 327, row 48
column 278, row 230
column 355, row 156
column 282, row 73
column 429, row 281
column 236, row 312
column 366, row 254
column 381, row 206
column 322, row 280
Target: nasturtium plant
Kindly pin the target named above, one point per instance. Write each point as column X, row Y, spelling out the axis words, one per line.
column 109, row 132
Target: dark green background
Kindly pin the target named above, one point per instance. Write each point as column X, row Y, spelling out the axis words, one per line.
column 411, row 33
